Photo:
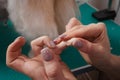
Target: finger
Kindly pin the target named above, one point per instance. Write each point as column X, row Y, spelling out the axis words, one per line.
column 95, row 51
column 62, row 37
column 91, row 31
column 14, row 58
column 73, row 22
column 14, row 49
column 40, row 42
column 83, row 45
column 52, row 66
column 71, row 26
column 60, row 47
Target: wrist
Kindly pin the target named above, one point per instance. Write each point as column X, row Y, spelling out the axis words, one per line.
column 104, row 62
column 113, row 68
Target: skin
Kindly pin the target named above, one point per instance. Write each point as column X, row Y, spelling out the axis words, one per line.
column 91, row 41
column 38, row 68
column 53, row 67
column 93, row 44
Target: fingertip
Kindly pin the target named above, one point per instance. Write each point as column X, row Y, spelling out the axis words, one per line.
column 16, row 44
column 45, row 40
column 20, row 38
column 78, row 44
column 61, row 38
column 52, row 44
column 57, row 40
column 46, row 55
column 20, row 41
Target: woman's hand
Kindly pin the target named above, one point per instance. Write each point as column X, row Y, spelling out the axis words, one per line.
column 46, row 65
column 91, row 40
column 93, row 43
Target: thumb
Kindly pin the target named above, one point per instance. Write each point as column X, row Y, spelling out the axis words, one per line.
column 83, row 45
column 88, row 50
column 52, row 65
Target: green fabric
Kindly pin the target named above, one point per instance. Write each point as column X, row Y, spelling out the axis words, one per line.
column 70, row 55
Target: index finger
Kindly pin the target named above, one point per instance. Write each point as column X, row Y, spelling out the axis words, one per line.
column 14, row 49
column 89, row 32
column 39, row 43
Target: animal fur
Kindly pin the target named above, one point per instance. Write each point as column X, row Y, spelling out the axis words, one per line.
column 35, row 18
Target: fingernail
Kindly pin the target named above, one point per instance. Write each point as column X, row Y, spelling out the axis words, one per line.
column 20, row 37
column 52, row 44
column 57, row 40
column 46, row 54
column 78, row 44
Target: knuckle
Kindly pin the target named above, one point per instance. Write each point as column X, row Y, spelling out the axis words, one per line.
column 102, row 25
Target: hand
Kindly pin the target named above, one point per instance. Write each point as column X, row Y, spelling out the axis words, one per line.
column 46, row 65
column 91, row 40
column 93, row 43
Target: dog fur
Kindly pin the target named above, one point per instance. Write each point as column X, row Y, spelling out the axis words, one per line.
column 35, row 18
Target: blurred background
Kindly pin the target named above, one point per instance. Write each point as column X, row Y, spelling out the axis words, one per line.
column 104, row 4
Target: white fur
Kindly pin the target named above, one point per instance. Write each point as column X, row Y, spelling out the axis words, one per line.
column 35, row 18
